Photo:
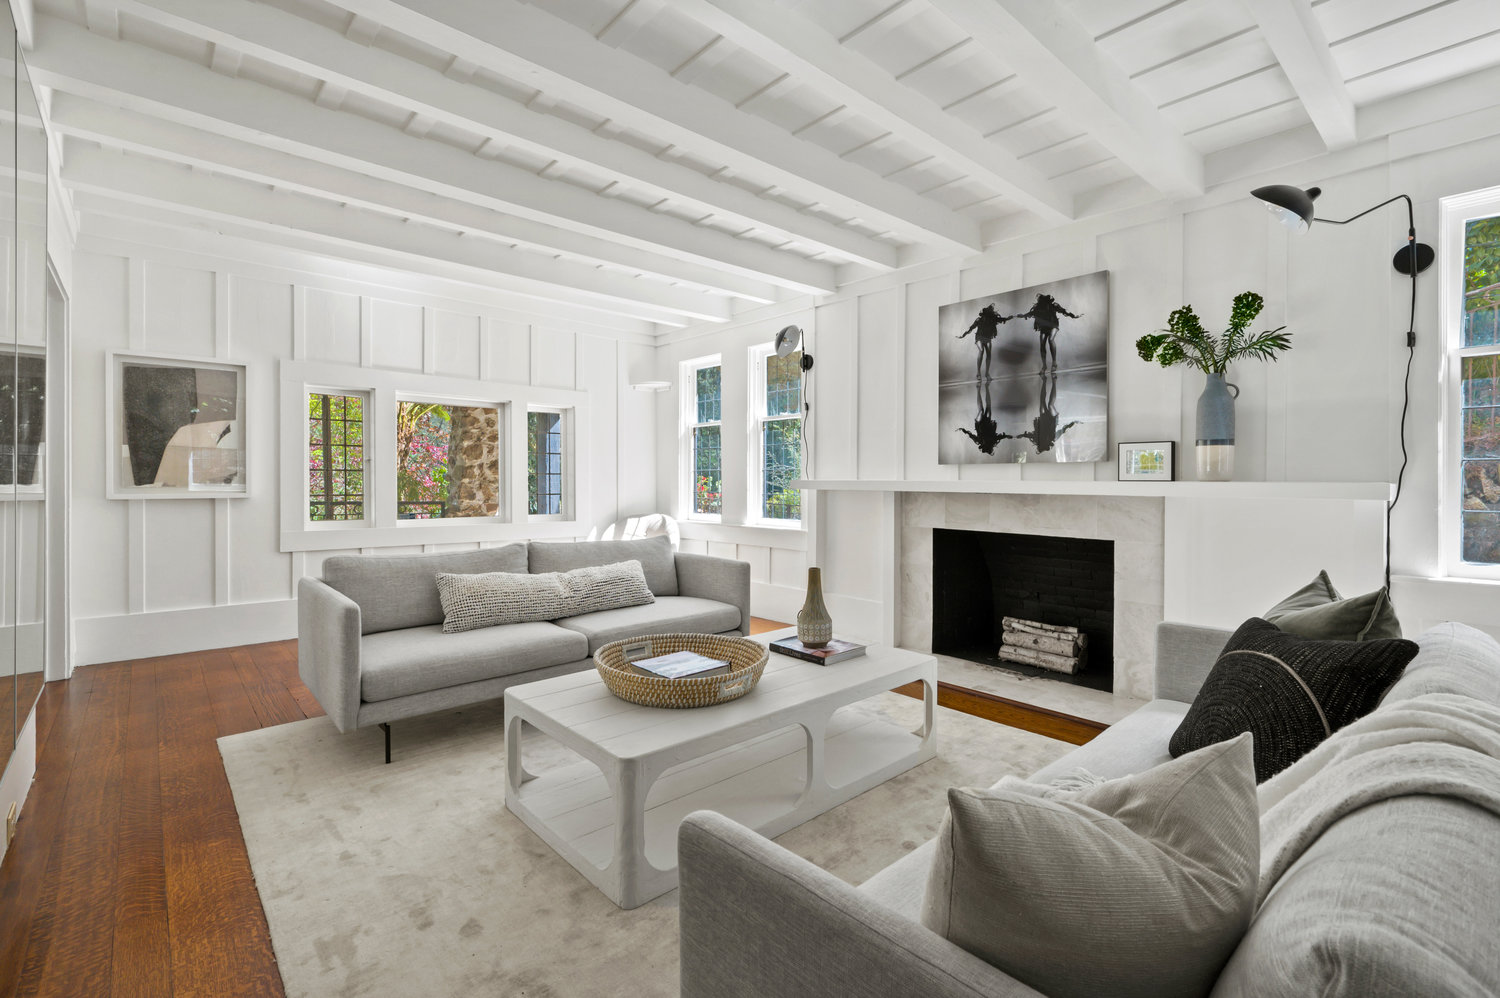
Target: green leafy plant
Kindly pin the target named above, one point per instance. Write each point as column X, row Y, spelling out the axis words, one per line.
column 1185, row 341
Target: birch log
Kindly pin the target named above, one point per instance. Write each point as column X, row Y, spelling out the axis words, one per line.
column 1068, row 664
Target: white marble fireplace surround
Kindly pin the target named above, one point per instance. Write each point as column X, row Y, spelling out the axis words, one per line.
column 1134, row 524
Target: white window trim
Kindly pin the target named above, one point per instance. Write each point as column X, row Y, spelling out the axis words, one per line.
column 687, row 423
column 1455, row 212
column 568, row 492
column 385, row 389
column 756, row 446
column 368, row 435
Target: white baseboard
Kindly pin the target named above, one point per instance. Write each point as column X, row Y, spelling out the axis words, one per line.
column 854, row 618
column 170, row 632
column 19, row 772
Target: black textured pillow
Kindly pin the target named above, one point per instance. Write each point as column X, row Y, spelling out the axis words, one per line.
column 1289, row 692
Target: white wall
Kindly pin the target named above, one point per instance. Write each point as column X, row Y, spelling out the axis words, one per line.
column 151, row 577
column 1327, row 411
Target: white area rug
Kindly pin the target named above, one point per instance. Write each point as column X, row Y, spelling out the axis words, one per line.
column 414, row 880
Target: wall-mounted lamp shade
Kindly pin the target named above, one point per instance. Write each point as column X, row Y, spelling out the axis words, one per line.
column 787, row 340
column 1291, row 206
column 651, row 386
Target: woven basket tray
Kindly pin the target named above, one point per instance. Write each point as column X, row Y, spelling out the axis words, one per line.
column 747, row 660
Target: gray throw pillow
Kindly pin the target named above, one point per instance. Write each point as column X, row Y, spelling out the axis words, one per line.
column 474, row 601
column 1139, row 887
column 1318, row 611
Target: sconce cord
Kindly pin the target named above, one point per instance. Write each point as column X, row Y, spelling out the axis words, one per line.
column 1411, row 352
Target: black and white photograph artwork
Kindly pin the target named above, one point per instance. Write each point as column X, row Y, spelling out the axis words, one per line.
column 1024, row 375
column 179, row 427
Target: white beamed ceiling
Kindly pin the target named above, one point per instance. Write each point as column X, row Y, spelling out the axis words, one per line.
column 678, row 161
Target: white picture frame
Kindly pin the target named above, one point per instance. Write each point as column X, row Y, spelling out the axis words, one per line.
column 197, row 420
column 1148, row 461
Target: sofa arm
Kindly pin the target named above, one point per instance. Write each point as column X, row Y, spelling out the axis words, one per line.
column 756, row 920
column 722, row 579
column 328, row 625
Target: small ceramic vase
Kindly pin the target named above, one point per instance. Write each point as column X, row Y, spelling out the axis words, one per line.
column 814, row 626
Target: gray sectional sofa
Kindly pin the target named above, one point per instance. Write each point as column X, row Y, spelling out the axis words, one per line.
column 1398, row 898
column 370, row 641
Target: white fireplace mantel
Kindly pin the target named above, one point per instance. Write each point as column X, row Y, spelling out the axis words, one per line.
column 1345, row 491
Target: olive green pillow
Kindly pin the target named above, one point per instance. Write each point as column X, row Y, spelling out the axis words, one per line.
column 1318, row 611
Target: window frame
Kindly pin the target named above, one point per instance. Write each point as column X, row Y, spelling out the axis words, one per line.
column 1455, row 214
column 756, row 445
column 384, row 389
column 567, row 495
column 689, row 425
column 367, row 448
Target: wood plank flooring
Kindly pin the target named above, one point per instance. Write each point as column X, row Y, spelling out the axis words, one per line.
column 128, row 875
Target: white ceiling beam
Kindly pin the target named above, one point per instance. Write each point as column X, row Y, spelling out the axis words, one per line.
column 1301, row 46
column 1056, row 55
column 630, row 20
column 144, row 181
column 785, row 38
column 546, row 53
column 74, row 61
column 130, row 131
column 304, row 47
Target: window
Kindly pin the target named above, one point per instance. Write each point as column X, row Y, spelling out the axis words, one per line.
column 1478, row 357
column 778, row 400
column 706, row 466
column 447, row 460
column 335, row 457
column 544, row 463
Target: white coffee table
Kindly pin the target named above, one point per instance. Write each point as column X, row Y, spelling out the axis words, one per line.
column 770, row 760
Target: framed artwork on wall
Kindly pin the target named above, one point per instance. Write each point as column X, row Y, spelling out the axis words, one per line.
column 1024, row 375
column 175, row 428
column 1152, row 461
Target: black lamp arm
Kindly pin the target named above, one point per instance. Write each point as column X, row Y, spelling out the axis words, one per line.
column 1411, row 218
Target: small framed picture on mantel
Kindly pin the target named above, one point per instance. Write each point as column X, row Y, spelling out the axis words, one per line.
column 1152, row 461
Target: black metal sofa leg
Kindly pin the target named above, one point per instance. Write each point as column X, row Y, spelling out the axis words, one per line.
column 387, row 729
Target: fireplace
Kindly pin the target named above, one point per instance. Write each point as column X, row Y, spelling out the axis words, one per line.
column 982, row 577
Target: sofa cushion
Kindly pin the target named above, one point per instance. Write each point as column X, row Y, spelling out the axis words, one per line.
column 395, row 591
column 1136, row 887
column 655, row 554
column 1360, row 618
column 1398, row 898
column 418, row 659
column 668, row 615
column 1318, row 592
column 1133, row 744
column 1290, row 692
column 471, row 601
column 1451, row 658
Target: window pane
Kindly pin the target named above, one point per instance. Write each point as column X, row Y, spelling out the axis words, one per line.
column 447, row 461
column 784, row 384
column 708, row 395
column 783, row 465
column 1481, row 282
column 708, row 478
column 335, row 479
column 544, row 441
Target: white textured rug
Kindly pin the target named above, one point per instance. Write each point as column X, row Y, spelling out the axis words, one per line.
column 413, row 879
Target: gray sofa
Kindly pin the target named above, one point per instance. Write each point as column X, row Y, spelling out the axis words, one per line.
column 370, row 641
column 1401, row 897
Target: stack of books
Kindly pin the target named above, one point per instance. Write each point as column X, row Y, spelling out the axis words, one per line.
column 834, row 651
column 681, row 665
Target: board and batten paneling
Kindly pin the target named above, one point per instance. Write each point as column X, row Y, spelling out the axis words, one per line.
column 156, row 576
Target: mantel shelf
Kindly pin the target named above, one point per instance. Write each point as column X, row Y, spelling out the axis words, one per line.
column 1347, row 491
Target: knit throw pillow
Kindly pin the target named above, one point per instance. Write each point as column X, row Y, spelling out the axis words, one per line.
column 1139, row 887
column 1290, row 692
column 473, row 601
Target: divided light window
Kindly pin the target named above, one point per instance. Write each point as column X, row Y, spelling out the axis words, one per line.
column 1479, row 394
column 707, row 482
column 335, row 457
column 544, row 463
column 780, row 416
column 447, row 460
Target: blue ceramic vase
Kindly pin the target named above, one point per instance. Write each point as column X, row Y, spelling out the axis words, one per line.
column 1216, row 429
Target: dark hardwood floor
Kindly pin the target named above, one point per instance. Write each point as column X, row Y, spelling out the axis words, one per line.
column 128, row 875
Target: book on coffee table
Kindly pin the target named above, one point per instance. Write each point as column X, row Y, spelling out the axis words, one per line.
column 834, row 651
column 681, row 665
